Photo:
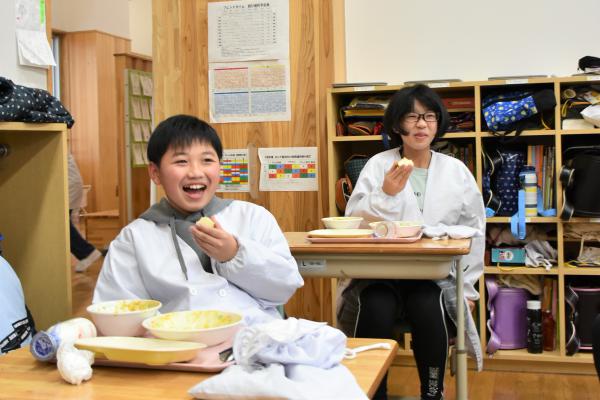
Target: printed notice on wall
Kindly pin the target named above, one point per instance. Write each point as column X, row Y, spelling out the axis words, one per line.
column 248, row 30
column 234, row 171
column 32, row 43
column 288, row 169
column 249, row 91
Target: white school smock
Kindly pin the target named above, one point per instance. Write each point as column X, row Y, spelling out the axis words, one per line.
column 142, row 263
column 451, row 198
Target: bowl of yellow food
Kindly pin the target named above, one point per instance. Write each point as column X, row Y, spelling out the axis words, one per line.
column 122, row 317
column 210, row 327
column 342, row 222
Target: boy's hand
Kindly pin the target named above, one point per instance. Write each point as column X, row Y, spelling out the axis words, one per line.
column 215, row 242
column 395, row 179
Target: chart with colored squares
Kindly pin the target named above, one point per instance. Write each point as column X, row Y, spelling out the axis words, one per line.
column 234, row 171
column 294, row 171
column 288, row 169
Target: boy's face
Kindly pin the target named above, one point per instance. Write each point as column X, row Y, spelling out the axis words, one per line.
column 189, row 176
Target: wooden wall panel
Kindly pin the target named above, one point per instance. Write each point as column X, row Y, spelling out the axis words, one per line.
column 78, row 89
column 89, row 93
column 180, row 70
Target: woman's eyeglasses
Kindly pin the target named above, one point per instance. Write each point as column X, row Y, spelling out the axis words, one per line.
column 429, row 116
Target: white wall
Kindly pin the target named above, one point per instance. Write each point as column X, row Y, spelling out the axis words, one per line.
column 9, row 59
column 399, row 40
column 140, row 26
column 109, row 16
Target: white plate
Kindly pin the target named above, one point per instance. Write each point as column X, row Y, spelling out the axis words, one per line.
column 140, row 350
column 341, row 233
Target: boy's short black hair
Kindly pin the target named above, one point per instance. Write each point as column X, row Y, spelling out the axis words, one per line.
column 402, row 103
column 181, row 131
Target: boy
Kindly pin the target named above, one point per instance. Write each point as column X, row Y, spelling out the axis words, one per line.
column 242, row 264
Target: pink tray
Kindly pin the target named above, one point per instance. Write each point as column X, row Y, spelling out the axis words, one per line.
column 207, row 360
column 410, row 239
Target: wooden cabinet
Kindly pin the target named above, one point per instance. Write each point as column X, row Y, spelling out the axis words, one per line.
column 89, row 92
column 339, row 148
column 34, row 216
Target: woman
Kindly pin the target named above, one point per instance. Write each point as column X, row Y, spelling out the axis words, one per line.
column 438, row 189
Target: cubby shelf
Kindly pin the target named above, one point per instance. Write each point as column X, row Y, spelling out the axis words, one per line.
column 341, row 147
column 34, row 217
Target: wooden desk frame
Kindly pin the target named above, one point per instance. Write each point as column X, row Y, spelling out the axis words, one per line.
column 426, row 259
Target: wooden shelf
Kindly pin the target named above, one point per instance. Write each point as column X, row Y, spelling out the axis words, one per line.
column 579, row 220
column 579, row 132
column 523, row 355
column 529, row 220
column 366, row 138
column 582, row 271
column 539, row 132
column 519, row 270
column 31, row 127
column 459, row 135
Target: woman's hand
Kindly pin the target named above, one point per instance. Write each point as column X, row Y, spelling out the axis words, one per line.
column 395, row 179
column 215, row 242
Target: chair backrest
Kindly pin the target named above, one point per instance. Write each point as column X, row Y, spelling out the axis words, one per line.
column 84, row 196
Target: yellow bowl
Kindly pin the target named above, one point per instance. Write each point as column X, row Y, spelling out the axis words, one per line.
column 210, row 327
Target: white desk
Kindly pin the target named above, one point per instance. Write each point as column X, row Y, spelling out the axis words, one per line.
column 424, row 259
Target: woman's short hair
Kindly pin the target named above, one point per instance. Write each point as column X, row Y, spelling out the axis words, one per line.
column 402, row 103
column 180, row 131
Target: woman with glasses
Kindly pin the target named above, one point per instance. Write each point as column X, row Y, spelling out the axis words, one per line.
column 436, row 189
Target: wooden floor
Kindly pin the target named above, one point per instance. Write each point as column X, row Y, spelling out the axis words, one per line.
column 404, row 381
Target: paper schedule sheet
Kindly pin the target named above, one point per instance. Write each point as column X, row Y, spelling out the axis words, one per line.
column 234, row 171
column 250, row 91
column 288, row 169
column 248, row 61
column 248, row 30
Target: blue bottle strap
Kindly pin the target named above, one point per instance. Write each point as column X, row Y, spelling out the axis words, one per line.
column 517, row 221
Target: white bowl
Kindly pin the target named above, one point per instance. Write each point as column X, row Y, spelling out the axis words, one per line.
column 401, row 228
column 342, row 222
column 210, row 327
column 122, row 317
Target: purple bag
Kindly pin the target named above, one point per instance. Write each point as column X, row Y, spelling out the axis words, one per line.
column 508, row 316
